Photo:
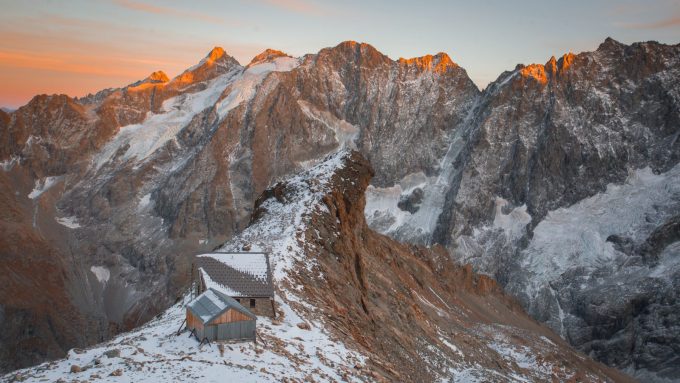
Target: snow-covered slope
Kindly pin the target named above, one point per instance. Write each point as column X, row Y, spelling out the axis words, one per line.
column 155, row 352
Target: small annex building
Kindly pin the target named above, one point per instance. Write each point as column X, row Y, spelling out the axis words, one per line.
column 216, row 316
column 245, row 276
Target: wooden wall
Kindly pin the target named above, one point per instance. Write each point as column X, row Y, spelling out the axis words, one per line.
column 229, row 316
column 193, row 322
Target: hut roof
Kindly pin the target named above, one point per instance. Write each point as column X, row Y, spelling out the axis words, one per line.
column 213, row 303
column 237, row 274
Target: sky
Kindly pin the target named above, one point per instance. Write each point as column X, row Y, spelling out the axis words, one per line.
column 79, row 47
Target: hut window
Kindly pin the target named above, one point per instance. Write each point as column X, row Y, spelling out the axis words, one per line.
column 252, row 303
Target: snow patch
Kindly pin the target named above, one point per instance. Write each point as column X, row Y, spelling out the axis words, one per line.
column 42, row 186
column 345, row 133
column 144, row 202
column 9, row 163
column 512, row 223
column 245, row 86
column 211, row 284
column 70, row 222
column 576, row 236
column 102, row 273
column 145, row 138
column 283, row 352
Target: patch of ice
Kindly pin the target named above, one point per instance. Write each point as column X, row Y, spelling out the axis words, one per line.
column 145, row 138
column 512, row 223
column 102, row 273
column 42, row 186
column 70, row 222
column 245, row 86
column 576, row 236
column 383, row 213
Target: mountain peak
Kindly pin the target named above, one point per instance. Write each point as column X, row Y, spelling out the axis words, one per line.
column 439, row 63
column 609, row 43
column 157, row 76
column 267, row 55
column 354, row 52
column 542, row 73
column 216, row 53
column 215, row 63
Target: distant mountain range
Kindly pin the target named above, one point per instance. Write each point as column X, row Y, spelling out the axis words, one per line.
column 559, row 180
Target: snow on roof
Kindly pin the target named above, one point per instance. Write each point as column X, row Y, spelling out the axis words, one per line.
column 236, row 274
column 254, row 264
column 212, row 303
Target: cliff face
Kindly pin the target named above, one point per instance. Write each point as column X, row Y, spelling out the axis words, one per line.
column 570, row 167
column 553, row 184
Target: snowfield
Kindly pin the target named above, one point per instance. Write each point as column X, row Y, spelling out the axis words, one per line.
column 155, row 353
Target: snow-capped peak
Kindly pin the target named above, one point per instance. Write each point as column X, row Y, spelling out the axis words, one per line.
column 440, row 62
column 268, row 55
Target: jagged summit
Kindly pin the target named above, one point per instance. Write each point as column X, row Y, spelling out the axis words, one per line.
column 158, row 76
column 543, row 72
column 609, row 43
column 267, row 55
column 215, row 63
column 215, row 54
column 440, row 62
column 357, row 50
column 155, row 78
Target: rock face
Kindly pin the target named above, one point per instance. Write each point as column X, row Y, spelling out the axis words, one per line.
column 536, row 204
column 119, row 186
column 552, row 161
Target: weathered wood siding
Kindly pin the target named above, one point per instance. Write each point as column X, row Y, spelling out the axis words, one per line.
column 194, row 323
column 229, row 316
